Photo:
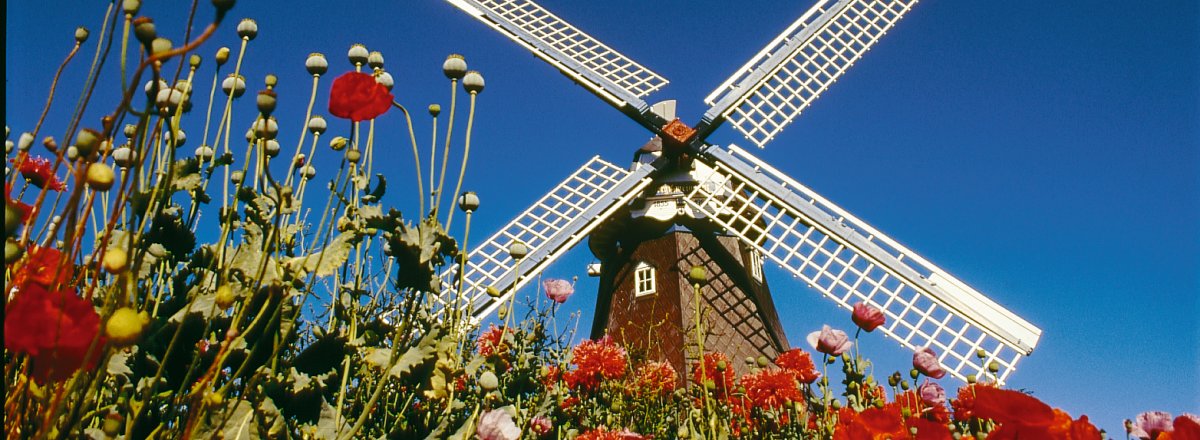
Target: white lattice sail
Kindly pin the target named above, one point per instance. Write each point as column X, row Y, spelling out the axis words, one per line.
column 548, row 228
column 608, row 73
column 849, row 261
column 791, row 72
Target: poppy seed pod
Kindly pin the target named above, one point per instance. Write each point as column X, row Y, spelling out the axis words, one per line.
column 271, row 80
column 247, row 29
column 435, row 110
column 124, row 156
column 25, row 141
column 317, row 124
column 468, row 201
column 266, row 101
column 194, row 61
column 236, row 177
column 178, row 138
column 168, row 100
column 316, row 64
column 697, row 275
column 160, row 45
column 8, row 146
column 88, row 141
column 131, row 7
column 358, row 54
column 115, row 260
column 266, row 128
column 455, row 66
column 385, row 79
column 204, row 152
column 353, row 155
column 153, row 87
column 338, row 143
column 308, row 171
column 72, row 153
column 81, row 34
column 130, row 130
column 473, row 82
column 234, row 84
column 518, row 250
column 144, row 30
column 223, row 5
column 222, row 56
column 100, row 176
column 271, row 148
column 375, row 59
column 50, row 144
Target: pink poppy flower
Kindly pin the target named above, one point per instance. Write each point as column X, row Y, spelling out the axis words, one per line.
column 830, row 341
column 867, row 317
column 926, row 362
column 558, row 290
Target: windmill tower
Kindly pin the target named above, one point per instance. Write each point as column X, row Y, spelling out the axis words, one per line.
column 686, row 202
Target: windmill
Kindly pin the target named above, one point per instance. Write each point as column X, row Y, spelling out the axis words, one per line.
column 726, row 209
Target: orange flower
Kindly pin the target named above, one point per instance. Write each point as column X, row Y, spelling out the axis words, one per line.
column 596, row 360
column 771, row 389
column 800, row 363
column 45, row 266
column 38, row 171
column 716, row 369
column 358, row 97
column 655, row 378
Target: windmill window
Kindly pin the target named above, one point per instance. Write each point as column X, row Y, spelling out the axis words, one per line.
column 643, row 278
column 756, row 265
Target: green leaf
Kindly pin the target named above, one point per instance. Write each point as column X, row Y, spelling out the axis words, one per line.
column 328, row 260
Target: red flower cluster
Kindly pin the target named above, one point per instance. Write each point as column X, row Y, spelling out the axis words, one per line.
column 55, row 328
column 496, row 342
column 38, row 171
column 358, row 97
column 44, row 266
column 715, row 369
column 594, row 361
column 655, row 378
column 771, row 388
column 800, row 363
column 605, row 434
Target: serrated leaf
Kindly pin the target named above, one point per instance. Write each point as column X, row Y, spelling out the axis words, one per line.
column 327, row 427
column 328, row 260
column 190, row 182
column 118, row 363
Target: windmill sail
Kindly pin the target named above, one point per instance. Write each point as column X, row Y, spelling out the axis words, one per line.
column 549, row 227
column 791, row 72
column 849, row 261
column 607, row 73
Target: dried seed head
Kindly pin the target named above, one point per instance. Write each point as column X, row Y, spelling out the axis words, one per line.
column 455, row 66
column 375, row 59
column 25, row 141
column 234, row 84
column 266, row 101
column 204, row 153
column 434, row 110
column 144, row 30
column 473, row 82
column 236, row 177
column 317, row 124
column 100, row 176
column 81, row 34
column 353, row 155
column 130, row 130
column 131, row 7
column 358, row 54
column 385, row 79
column 316, row 64
column 194, row 61
column 88, row 141
column 124, row 156
column 308, row 171
column 152, row 88
column 518, row 250
column 468, row 201
column 271, row 148
column 159, row 46
column 247, row 29
column 266, row 128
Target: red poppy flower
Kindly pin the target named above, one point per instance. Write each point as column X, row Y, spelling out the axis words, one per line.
column 45, row 266
column 38, row 171
column 1010, row 407
column 605, row 434
column 1186, row 428
column 867, row 317
column 771, row 389
column 929, row 429
column 596, row 360
column 800, row 363
column 716, row 369
column 357, row 97
column 655, row 378
column 55, row 329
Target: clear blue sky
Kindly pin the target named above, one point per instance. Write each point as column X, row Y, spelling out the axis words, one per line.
column 1047, row 153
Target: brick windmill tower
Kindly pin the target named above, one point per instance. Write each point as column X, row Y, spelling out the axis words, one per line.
column 686, row 202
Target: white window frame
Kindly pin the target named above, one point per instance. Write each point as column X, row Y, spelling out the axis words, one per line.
column 644, row 280
column 756, row 265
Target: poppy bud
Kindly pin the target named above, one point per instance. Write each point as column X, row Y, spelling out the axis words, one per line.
column 234, row 84
column 473, row 82
column 222, row 56
column 247, row 29
column 518, row 250
column 204, row 153
column 81, row 34
column 358, row 54
column 143, row 29
column 981, row 353
column 223, row 5
column 124, row 327
column 194, row 61
column 225, row 297
column 100, row 176
column 8, row 146
column 375, row 59
column 914, row 373
column 435, row 110
column 271, row 148
column 468, row 201
column 353, row 155
column 316, row 64
column 113, row 424
column 72, row 153
column 488, row 381
column 25, row 141
column 493, row 292
column 308, row 171
column 697, row 275
column 455, row 66
column 131, row 7
column 993, row 367
column 115, row 261
column 750, row 361
column 12, row 250
column 338, row 143
column 50, row 144
column 271, row 80
column 385, row 79
column 160, row 45
column 124, row 156
column 971, row 378
column 298, row 161
column 266, row 101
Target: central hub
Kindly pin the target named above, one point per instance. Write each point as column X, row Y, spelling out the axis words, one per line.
column 676, row 135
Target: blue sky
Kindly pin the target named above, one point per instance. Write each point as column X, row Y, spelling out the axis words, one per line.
column 1047, row 153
